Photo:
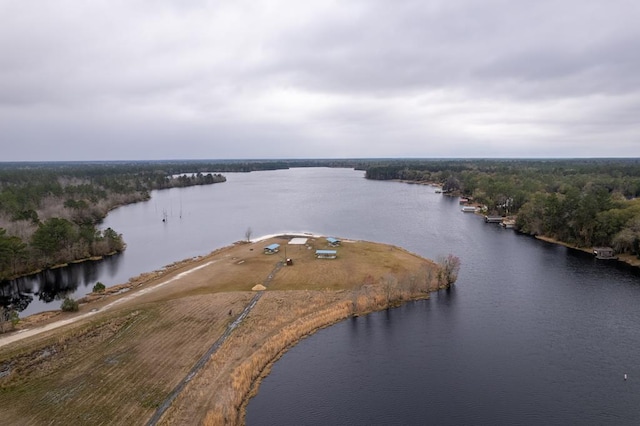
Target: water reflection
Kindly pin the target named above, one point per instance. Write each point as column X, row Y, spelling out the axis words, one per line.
column 32, row 293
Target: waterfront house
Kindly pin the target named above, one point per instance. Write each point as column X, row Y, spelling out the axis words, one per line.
column 604, row 253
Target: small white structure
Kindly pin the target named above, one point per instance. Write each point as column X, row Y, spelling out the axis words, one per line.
column 298, row 241
column 326, row 254
column 272, row 249
column 508, row 223
column 333, row 242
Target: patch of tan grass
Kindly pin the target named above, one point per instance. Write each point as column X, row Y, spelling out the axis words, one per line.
column 116, row 371
column 118, row 366
column 387, row 278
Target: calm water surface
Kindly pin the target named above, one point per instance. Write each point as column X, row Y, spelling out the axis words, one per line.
column 532, row 333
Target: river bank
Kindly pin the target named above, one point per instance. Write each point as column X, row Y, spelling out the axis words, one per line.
column 627, row 259
column 121, row 361
column 73, row 214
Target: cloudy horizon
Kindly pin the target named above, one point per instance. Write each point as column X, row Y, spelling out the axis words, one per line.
column 138, row 80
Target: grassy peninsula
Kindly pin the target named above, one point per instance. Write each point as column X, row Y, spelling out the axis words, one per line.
column 120, row 357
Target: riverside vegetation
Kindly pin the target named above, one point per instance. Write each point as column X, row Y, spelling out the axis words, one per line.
column 119, row 365
column 580, row 202
column 49, row 211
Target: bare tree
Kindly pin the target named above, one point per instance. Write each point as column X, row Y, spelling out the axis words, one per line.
column 428, row 278
column 413, row 284
column 389, row 284
column 247, row 234
column 449, row 268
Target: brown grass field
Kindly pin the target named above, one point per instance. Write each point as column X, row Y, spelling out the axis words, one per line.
column 119, row 364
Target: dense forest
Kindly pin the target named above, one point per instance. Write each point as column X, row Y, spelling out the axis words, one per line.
column 582, row 202
column 49, row 212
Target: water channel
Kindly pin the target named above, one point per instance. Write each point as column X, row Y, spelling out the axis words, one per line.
column 531, row 333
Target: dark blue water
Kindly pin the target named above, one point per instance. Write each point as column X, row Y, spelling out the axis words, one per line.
column 531, row 333
column 519, row 354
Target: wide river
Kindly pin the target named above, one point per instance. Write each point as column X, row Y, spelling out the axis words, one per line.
column 531, row 333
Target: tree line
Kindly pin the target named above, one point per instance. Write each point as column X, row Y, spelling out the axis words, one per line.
column 582, row 202
column 49, row 212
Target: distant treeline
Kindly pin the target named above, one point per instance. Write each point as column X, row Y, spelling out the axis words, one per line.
column 583, row 202
column 49, row 212
column 174, row 167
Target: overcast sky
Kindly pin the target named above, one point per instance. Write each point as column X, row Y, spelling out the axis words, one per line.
column 133, row 79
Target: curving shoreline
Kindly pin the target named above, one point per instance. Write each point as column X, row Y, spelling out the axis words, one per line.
column 314, row 311
column 195, row 301
column 309, row 327
column 624, row 258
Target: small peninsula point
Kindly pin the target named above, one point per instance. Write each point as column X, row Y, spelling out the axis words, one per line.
column 190, row 343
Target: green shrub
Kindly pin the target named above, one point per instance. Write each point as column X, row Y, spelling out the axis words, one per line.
column 99, row 287
column 15, row 318
column 8, row 319
column 69, row 305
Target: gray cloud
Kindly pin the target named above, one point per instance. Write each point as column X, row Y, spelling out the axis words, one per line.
column 221, row 79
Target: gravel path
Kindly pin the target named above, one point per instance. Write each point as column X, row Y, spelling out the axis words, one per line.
column 23, row 334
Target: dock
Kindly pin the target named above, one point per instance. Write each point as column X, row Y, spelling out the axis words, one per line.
column 493, row 219
column 604, row 253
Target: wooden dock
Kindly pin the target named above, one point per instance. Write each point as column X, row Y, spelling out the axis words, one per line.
column 493, row 219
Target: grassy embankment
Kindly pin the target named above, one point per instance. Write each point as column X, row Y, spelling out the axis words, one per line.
column 119, row 365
